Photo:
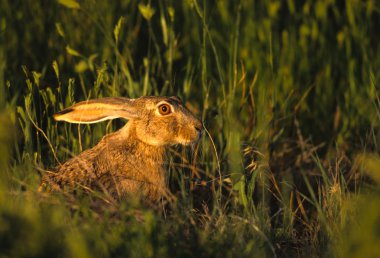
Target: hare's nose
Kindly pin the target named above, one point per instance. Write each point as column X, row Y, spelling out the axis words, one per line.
column 199, row 127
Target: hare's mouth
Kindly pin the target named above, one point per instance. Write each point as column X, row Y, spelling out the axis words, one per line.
column 183, row 141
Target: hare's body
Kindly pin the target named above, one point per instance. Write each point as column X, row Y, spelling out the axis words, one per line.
column 132, row 160
column 118, row 165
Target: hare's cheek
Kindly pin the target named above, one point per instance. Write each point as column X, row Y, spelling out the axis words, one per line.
column 173, row 126
column 163, row 133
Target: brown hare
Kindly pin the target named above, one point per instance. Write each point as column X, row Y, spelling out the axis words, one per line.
column 130, row 161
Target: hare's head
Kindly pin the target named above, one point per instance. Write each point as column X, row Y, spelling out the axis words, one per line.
column 157, row 121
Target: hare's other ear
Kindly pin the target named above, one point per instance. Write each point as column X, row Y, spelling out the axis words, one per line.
column 177, row 99
column 97, row 110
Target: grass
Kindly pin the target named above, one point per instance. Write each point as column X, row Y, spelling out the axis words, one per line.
column 288, row 91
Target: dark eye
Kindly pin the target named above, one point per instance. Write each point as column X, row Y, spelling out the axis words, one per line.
column 164, row 109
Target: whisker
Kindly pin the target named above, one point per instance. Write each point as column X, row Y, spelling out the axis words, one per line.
column 217, row 161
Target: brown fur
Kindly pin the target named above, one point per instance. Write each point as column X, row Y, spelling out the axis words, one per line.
column 132, row 160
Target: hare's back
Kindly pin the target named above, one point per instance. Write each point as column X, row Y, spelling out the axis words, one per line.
column 78, row 171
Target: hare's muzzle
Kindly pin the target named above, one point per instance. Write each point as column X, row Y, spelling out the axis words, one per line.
column 199, row 128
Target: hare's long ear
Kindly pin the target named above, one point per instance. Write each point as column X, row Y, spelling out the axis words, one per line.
column 97, row 110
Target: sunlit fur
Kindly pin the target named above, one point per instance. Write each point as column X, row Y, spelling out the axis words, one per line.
column 130, row 161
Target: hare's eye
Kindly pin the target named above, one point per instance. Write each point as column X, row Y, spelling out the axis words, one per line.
column 164, row 109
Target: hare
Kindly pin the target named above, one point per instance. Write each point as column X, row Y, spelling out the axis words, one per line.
column 130, row 161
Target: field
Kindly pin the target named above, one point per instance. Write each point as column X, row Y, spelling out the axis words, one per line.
column 289, row 93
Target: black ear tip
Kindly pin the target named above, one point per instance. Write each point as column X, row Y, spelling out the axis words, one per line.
column 65, row 111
